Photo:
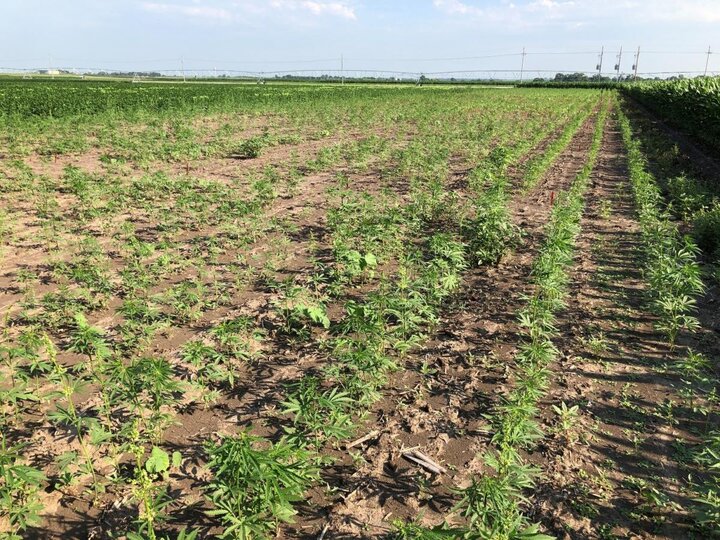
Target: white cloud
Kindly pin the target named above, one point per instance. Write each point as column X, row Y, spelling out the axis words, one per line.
column 236, row 10
column 207, row 12
column 550, row 5
column 688, row 10
column 339, row 9
column 582, row 12
column 456, row 7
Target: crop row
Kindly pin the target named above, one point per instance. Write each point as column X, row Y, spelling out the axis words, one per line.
column 675, row 280
column 671, row 265
column 493, row 504
column 146, row 254
column 536, row 167
column 69, row 98
column 375, row 334
column 389, row 322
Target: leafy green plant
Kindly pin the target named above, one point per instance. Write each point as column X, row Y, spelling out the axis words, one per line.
column 300, row 309
column 318, row 413
column 707, row 507
column 352, row 263
column 211, row 368
column 675, row 278
column 20, row 485
column 689, row 103
column 249, row 148
column 255, row 484
column 671, row 262
column 147, row 387
column 88, row 430
column 706, row 231
column 492, row 503
column 149, row 489
column 237, row 336
column 567, row 418
column 491, row 232
column 415, row 531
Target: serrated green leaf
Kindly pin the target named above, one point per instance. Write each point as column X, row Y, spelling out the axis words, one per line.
column 158, row 462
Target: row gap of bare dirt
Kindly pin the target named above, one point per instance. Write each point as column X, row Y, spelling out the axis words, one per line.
column 614, row 368
column 466, row 366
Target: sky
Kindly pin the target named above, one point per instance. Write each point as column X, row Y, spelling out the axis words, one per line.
column 414, row 36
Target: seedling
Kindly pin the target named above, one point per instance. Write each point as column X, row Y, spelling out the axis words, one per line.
column 20, row 487
column 255, row 484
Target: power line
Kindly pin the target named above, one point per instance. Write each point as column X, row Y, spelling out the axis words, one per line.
column 707, row 61
column 255, row 74
column 635, row 65
column 333, row 60
column 560, row 53
column 439, row 59
column 329, row 65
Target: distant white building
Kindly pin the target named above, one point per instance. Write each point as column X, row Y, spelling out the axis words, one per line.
column 49, row 72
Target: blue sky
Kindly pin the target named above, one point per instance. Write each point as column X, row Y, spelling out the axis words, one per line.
column 395, row 35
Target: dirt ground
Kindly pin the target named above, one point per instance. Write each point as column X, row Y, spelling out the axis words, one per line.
column 632, row 424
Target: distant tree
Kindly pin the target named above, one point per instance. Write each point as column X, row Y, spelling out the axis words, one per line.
column 570, row 77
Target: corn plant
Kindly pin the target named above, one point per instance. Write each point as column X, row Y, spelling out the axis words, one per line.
column 691, row 104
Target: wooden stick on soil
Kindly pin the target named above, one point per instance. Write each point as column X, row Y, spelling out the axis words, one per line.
column 374, row 433
column 424, row 461
column 324, row 531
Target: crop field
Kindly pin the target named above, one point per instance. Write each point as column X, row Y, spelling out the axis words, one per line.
column 344, row 312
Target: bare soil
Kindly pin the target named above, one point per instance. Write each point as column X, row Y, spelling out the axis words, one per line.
column 613, row 365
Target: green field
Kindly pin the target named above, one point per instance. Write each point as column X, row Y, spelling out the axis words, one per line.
column 364, row 311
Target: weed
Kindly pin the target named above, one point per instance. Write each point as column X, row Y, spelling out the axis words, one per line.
column 255, row 484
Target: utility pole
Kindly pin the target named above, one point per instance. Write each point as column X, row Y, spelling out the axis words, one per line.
column 182, row 67
column 635, row 65
column 599, row 66
column 707, row 61
column 617, row 66
column 522, row 65
column 342, row 68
